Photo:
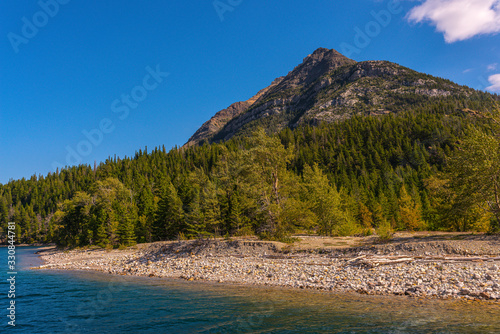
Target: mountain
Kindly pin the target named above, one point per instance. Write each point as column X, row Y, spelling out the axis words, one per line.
column 327, row 87
column 217, row 122
column 388, row 163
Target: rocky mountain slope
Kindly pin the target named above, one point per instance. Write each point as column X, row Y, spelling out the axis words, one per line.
column 328, row 87
column 217, row 122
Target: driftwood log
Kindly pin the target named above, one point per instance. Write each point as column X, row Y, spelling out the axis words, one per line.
column 377, row 260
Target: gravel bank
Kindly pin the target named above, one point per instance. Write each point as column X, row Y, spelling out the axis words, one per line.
column 463, row 268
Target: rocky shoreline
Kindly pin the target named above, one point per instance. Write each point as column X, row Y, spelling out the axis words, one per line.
column 416, row 268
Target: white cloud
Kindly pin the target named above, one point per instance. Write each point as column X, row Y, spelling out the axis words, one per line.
column 495, row 83
column 492, row 67
column 459, row 19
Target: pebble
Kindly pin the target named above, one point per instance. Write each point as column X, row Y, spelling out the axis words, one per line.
column 466, row 280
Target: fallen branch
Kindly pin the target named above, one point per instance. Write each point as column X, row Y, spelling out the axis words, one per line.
column 356, row 258
column 375, row 261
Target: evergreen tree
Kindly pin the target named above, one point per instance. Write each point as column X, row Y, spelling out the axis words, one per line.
column 210, row 207
column 378, row 215
column 101, row 238
column 254, row 182
column 325, row 203
column 170, row 215
column 126, row 232
column 365, row 216
column 73, row 220
column 409, row 212
column 194, row 218
column 266, row 175
column 4, row 210
column 474, row 171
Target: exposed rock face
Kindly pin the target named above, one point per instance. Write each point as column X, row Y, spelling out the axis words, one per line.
column 214, row 124
column 217, row 122
column 326, row 87
column 314, row 66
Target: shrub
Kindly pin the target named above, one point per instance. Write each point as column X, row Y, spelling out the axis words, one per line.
column 385, row 231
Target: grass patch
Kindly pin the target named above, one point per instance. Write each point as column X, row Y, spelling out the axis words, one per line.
column 339, row 243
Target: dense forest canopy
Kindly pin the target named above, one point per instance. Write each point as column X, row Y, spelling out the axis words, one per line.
column 402, row 171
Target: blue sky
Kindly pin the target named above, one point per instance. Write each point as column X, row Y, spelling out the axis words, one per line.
column 84, row 80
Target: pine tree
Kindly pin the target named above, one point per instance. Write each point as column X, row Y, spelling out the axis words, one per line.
column 126, row 232
column 325, row 203
column 170, row 215
column 365, row 216
column 409, row 212
column 378, row 215
column 4, row 210
column 75, row 220
column 194, row 218
column 474, row 170
column 237, row 221
column 266, row 174
column 210, row 207
column 101, row 238
column 256, row 179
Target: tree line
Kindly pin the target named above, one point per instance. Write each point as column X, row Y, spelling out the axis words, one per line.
column 406, row 171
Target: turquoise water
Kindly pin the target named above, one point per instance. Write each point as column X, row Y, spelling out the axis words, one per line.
column 84, row 302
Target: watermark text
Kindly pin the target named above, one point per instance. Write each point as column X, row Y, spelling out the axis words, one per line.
column 11, row 273
column 120, row 106
column 223, row 6
column 31, row 27
column 364, row 36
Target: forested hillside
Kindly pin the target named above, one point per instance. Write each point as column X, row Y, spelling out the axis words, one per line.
column 353, row 176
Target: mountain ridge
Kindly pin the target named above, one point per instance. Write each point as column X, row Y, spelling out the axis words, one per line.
column 216, row 122
column 326, row 87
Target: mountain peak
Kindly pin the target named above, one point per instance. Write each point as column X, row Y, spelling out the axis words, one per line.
column 324, row 52
column 328, row 55
column 315, row 65
column 327, row 87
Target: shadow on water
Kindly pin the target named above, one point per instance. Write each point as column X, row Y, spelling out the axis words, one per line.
column 87, row 302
